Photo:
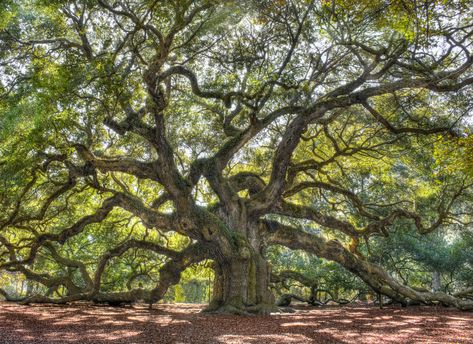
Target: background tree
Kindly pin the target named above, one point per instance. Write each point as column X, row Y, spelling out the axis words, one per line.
column 143, row 137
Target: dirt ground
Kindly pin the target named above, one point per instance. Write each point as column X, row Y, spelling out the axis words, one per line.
column 184, row 324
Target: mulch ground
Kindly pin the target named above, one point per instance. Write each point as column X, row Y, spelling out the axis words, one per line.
column 184, row 324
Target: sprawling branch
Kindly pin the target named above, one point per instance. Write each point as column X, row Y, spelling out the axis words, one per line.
column 196, row 89
column 99, row 215
column 134, row 167
column 369, row 272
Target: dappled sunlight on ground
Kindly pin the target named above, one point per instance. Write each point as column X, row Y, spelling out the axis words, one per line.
column 184, row 324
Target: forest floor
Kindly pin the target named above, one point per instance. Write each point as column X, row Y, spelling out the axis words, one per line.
column 182, row 323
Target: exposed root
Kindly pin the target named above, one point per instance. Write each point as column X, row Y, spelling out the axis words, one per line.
column 260, row 309
column 226, row 309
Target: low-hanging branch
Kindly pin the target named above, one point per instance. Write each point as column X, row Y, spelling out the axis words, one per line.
column 372, row 274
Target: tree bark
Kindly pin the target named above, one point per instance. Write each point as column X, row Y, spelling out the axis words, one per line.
column 242, row 276
column 436, row 281
column 241, row 286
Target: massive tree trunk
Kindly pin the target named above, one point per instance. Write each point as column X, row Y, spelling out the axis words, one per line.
column 241, row 285
column 242, row 275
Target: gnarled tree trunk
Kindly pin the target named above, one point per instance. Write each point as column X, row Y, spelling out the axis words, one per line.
column 241, row 284
column 242, row 275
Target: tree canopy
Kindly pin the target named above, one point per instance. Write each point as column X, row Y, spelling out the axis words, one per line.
column 142, row 137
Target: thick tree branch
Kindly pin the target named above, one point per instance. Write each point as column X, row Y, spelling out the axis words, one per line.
column 371, row 273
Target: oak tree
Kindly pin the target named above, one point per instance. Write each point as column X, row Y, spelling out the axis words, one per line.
column 238, row 125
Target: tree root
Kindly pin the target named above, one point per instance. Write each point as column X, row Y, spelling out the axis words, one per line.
column 286, row 299
column 259, row 309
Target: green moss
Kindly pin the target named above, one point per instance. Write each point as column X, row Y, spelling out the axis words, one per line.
column 252, row 281
column 213, row 222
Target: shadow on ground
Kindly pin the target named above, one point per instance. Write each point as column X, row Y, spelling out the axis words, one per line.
column 184, row 324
